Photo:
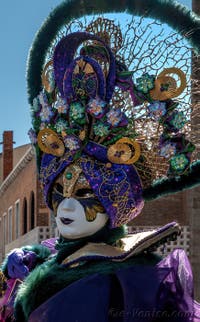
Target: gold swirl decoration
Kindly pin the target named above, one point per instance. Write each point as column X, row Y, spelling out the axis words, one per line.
column 46, row 77
column 124, row 151
column 166, row 86
column 107, row 30
column 49, row 142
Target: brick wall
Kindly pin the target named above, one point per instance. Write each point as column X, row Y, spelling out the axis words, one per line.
column 7, row 153
column 163, row 210
column 23, row 187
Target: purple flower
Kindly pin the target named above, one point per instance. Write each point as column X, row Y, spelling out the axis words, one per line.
column 46, row 114
column 61, row 105
column 72, row 142
column 96, row 107
column 33, row 136
column 43, row 99
column 157, row 109
column 42, row 126
column 116, row 118
column 167, row 150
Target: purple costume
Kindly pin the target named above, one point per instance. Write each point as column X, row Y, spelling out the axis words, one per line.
column 92, row 146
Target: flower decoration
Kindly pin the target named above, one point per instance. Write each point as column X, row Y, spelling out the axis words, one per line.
column 116, row 118
column 33, row 136
column 36, row 105
column 43, row 99
column 72, row 142
column 46, row 114
column 61, row 125
column 179, row 163
column 145, row 83
column 167, row 150
column 51, row 80
column 157, row 109
column 178, row 120
column 101, row 129
column 61, row 105
column 77, row 113
column 96, row 107
column 42, row 126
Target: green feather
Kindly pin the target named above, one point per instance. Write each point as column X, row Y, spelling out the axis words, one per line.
column 168, row 186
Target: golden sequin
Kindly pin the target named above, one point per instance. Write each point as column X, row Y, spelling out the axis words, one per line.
column 172, row 89
column 124, row 151
column 49, row 142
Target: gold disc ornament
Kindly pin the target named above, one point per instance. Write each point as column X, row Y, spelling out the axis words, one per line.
column 166, row 85
column 124, row 151
column 49, row 142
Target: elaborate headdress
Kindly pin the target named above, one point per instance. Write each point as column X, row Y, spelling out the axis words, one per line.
column 115, row 104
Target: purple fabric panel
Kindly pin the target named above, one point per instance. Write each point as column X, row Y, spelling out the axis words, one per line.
column 51, row 167
column 50, row 244
column 141, row 287
column 147, row 293
column 118, row 188
column 180, row 283
column 84, row 300
column 96, row 150
column 64, row 54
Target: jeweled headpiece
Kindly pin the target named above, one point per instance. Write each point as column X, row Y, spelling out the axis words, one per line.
column 116, row 104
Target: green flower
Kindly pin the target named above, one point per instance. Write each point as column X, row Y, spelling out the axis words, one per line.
column 101, row 129
column 179, row 162
column 178, row 120
column 145, row 83
column 77, row 113
column 61, row 125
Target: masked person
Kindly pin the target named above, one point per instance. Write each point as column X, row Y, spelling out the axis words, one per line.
column 96, row 169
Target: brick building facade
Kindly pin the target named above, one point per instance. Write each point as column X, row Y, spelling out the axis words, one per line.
column 21, row 208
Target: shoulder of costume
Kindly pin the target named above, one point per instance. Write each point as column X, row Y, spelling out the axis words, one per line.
column 131, row 246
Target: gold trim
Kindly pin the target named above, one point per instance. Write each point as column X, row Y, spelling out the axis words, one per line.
column 69, row 184
column 45, row 77
column 132, row 245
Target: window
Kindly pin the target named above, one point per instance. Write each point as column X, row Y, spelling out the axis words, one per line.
column 25, row 227
column 32, row 208
column 5, row 228
column 10, row 225
column 17, row 219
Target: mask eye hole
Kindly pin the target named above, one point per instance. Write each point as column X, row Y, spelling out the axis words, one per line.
column 84, row 193
column 58, row 188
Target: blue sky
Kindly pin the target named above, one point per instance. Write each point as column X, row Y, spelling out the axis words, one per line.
column 19, row 21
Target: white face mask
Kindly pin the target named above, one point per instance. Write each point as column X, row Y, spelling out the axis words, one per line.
column 72, row 222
